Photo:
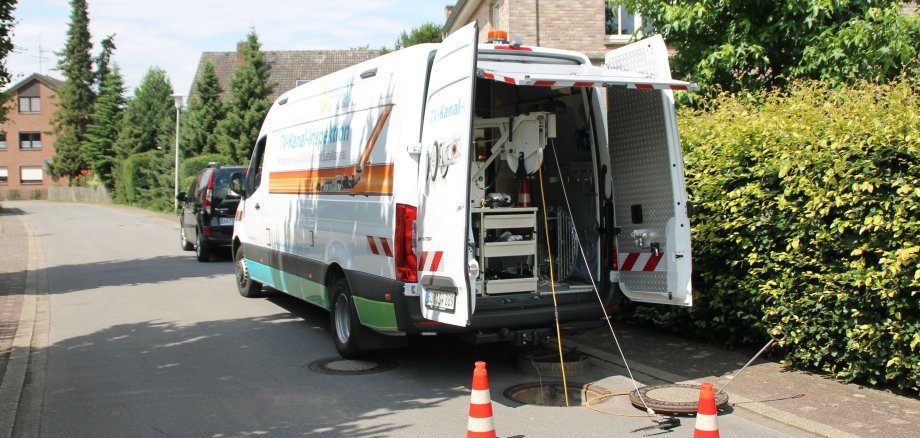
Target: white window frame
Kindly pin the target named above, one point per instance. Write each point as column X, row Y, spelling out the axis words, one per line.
column 620, row 36
column 33, row 104
column 25, row 170
column 4, row 175
column 33, row 145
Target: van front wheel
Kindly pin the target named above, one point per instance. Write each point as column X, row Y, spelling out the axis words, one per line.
column 346, row 328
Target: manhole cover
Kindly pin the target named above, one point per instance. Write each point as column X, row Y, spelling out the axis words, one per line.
column 553, row 393
column 337, row 365
column 545, row 363
column 672, row 399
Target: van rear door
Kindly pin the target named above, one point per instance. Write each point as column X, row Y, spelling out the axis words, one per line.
column 650, row 199
column 442, row 227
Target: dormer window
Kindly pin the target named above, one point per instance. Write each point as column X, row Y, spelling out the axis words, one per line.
column 30, row 104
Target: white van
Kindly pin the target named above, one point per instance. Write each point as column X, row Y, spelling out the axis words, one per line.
column 471, row 189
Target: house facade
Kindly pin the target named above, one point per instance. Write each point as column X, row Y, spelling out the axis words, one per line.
column 27, row 138
column 592, row 27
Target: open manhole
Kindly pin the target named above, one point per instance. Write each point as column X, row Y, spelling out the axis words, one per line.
column 339, row 366
column 545, row 363
column 553, row 393
column 678, row 398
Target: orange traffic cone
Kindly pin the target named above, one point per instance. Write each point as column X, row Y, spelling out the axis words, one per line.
column 706, row 424
column 524, row 193
column 480, row 424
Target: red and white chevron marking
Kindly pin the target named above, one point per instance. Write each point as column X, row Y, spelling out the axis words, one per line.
column 382, row 249
column 641, row 262
column 431, row 261
column 561, row 84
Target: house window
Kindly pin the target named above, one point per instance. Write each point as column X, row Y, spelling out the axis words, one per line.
column 621, row 23
column 2, row 141
column 31, row 175
column 4, row 175
column 30, row 140
column 30, row 105
column 495, row 14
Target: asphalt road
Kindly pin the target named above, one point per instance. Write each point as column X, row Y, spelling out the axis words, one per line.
column 144, row 341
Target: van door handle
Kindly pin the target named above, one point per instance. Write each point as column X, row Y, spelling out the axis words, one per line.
column 257, row 206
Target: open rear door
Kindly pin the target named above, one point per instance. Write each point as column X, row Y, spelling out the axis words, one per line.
column 650, row 199
column 443, row 225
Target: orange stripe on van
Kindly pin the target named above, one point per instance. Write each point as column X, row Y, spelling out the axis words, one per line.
column 377, row 179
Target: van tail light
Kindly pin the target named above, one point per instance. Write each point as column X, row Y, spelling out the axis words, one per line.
column 406, row 262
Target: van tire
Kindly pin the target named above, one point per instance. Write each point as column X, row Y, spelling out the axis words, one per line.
column 247, row 287
column 202, row 250
column 343, row 321
column 183, row 239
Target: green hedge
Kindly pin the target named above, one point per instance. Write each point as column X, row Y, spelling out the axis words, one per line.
column 807, row 217
column 148, row 181
column 189, row 168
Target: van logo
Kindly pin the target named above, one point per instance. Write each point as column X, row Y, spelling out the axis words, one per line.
column 445, row 111
column 384, row 246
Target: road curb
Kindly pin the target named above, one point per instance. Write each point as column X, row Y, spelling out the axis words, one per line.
column 609, row 361
column 33, row 314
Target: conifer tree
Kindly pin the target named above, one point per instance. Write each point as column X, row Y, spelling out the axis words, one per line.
column 205, row 110
column 6, row 46
column 101, row 134
column 76, row 95
column 148, row 125
column 250, row 91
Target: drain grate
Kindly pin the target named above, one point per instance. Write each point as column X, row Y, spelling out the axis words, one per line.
column 678, row 398
column 350, row 367
column 553, row 393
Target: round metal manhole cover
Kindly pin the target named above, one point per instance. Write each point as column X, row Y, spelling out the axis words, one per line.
column 672, row 399
column 553, row 393
column 339, row 366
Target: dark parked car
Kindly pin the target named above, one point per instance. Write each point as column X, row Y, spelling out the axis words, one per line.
column 208, row 211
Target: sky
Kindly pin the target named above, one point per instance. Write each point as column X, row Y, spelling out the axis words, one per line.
column 172, row 34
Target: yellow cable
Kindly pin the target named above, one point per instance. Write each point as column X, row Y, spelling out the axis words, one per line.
column 552, row 285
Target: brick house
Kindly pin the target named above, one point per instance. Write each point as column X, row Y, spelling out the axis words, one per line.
column 579, row 25
column 288, row 68
column 27, row 138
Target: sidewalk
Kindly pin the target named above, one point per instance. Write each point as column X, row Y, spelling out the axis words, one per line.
column 798, row 403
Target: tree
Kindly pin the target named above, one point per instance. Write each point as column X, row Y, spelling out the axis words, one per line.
column 250, row 93
column 6, row 46
column 752, row 45
column 876, row 47
column 76, row 97
column 102, row 133
column 205, row 110
column 426, row 33
column 148, row 125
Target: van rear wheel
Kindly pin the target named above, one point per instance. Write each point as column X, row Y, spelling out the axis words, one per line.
column 247, row 287
column 346, row 328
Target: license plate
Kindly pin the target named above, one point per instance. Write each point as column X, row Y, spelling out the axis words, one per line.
column 440, row 300
column 225, row 220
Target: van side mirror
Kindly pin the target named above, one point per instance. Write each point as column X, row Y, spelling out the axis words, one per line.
column 236, row 185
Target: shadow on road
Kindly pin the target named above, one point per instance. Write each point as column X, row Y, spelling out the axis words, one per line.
column 240, row 377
